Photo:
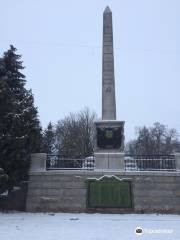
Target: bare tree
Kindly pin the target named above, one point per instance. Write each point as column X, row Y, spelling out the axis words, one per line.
column 154, row 140
column 74, row 134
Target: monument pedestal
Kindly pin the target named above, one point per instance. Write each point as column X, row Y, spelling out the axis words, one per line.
column 109, row 161
column 109, row 145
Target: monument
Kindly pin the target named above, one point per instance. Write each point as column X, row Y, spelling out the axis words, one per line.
column 109, row 134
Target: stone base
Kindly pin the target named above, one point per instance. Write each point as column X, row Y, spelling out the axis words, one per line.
column 177, row 158
column 38, row 161
column 109, row 161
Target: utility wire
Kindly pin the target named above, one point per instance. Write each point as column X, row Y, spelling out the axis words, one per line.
column 76, row 45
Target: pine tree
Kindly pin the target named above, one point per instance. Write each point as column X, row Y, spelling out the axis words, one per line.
column 3, row 181
column 48, row 139
column 20, row 131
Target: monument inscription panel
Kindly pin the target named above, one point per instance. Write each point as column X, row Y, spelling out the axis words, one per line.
column 109, row 192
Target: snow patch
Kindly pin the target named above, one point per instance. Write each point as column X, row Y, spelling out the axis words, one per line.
column 48, row 199
column 66, row 226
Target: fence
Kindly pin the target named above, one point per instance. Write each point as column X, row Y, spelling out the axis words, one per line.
column 131, row 162
column 55, row 162
column 150, row 163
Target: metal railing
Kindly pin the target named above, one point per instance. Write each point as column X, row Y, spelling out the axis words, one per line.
column 150, row 163
column 55, row 162
column 131, row 162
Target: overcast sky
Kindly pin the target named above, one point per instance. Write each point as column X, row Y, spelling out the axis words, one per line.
column 61, row 46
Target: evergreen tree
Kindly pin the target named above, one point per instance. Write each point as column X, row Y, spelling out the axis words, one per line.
column 3, row 181
column 48, row 140
column 20, row 131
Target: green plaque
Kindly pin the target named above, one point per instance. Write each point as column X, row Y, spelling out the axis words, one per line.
column 109, row 193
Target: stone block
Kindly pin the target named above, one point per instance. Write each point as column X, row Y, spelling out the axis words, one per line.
column 108, row 57
column 108, row 66
column 38, row 162
column 108, row 76
column 107, row 30
column 75, row 193
column 101, row 161
column 108, row 38
column 177, row 159
column 156, row 208
column 107, row 43
column 155, row 193
column 155, row 186
column 108, row 49
column 109, row 161
column 177, row 192
column 154, row 179
column 177, row 179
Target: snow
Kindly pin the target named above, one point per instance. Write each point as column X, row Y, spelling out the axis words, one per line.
column 16, row 188
column 68, row 226
column 109, row 176
column 4, row 193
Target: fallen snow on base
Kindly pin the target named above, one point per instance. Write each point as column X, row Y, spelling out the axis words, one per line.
column 68, row 226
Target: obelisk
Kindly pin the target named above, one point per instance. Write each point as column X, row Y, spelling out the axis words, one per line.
column 108, row 79
column 109, row 134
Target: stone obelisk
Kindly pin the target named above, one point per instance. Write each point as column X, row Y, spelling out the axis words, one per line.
column 108, row 79
column 109, row 139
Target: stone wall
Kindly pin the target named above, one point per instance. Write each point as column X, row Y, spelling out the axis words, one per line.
column 67, row 191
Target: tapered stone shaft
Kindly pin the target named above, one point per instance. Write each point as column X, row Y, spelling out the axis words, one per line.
column 108, row 79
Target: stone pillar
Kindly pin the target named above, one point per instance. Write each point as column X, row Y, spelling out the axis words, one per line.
column 108, row 81
column 177, row 158
column 38, row 162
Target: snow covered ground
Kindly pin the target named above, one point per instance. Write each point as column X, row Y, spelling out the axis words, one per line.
column 66, row 226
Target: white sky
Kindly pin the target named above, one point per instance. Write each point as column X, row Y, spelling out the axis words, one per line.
column 61, row 45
